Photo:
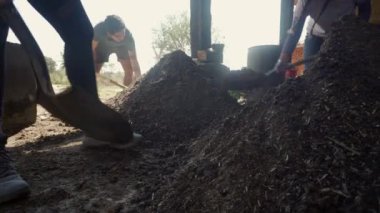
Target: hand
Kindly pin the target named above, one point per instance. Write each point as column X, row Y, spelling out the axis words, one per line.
column 281, row 66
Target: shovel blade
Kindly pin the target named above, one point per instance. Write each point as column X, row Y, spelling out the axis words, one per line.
column 96, row 119
column 248, row 79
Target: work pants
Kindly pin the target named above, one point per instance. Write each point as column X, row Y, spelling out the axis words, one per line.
column 311, row 47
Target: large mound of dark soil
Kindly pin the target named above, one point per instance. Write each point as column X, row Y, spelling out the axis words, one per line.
column 175, row 100
column 310, row 145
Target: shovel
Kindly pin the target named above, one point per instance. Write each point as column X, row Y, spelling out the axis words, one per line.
column 248, row 79
column 74, row 105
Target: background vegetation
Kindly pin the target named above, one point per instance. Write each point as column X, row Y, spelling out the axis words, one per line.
column 174, row 34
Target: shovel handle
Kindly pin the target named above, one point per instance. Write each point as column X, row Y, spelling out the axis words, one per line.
column 112, row 81
column 9, row 14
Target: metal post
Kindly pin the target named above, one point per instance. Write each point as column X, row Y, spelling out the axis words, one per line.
column 195, row 33
column 200, row 25
column 285, row 18
column 206, row 24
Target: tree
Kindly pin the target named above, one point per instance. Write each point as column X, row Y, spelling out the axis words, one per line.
column 51, row 64
column 173, row 34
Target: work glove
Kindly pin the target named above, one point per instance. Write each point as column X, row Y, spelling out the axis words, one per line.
column 281, row 66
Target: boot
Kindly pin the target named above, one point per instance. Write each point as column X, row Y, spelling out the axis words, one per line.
column 11, row 184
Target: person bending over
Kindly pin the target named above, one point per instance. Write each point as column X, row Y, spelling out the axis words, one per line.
column 111, row 36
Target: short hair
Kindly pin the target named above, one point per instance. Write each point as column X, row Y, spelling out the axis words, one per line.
column 114, row 24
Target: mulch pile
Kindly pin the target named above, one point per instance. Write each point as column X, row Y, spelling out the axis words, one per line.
column 171, row 106
column 309, row 145
column 175, row 100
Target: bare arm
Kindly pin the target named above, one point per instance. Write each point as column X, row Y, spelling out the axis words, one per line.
column 94, row 46
column 98, row 66
column 135, row 63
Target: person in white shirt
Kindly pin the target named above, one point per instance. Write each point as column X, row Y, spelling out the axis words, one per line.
column 321, row 13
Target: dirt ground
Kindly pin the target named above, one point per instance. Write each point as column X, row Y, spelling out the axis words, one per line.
column 310, row 144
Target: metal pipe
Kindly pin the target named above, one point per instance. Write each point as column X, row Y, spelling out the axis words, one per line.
column 286, row 18
column 200, row 25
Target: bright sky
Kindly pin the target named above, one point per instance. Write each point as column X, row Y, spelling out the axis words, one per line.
column 242, row 24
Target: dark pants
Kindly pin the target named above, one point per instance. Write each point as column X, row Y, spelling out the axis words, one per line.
column 71, row 22
column 312, row 46
column 103, row 52
column 3, row 34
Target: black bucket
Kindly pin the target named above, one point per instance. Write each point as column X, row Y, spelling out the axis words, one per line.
column 262, row 58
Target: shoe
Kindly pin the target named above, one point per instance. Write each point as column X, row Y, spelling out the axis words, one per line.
column 13, row 187
column 11, row 184
column 89, row 142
